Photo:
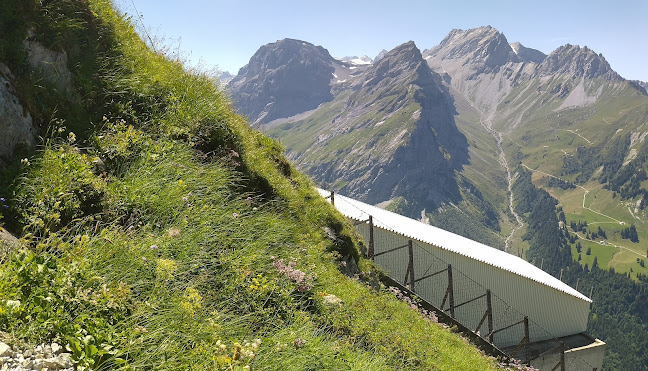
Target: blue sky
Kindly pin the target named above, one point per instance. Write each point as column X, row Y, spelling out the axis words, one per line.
column 226, row 33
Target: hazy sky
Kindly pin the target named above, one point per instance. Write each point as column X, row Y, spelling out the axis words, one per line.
column 226, row 33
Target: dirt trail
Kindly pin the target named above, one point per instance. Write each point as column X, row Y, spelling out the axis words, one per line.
column 610, row 244
column 575, row 133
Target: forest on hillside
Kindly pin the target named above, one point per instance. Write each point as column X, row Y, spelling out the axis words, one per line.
column 619, row 313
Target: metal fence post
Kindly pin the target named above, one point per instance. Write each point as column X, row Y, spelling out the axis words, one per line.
column 451, row 291
column 527, row 356
column 489, row 308
column 411, row 264
column 371, row 238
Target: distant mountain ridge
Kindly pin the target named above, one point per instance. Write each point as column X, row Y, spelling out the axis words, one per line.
column 336, row 131
column 485, row 45
column 414, row 104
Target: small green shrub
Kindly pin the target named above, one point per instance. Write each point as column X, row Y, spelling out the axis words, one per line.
column 59, row 188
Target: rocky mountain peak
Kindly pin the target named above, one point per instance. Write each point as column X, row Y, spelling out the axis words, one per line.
column 284, row 52
column 577, row 61
column 483, row 45
column 223, row 77
column 405, row 55
column 283, row 78
column 528, row 54
column 403, row 60
column 380, row 55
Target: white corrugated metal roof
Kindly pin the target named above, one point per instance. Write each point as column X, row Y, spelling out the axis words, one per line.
column 449, row 241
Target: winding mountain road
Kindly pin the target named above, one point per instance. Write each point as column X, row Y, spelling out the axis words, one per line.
column 586, row 191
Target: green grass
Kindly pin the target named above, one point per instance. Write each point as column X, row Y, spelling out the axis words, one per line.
column 601, row 200
column 153, row 240
column 603, row 254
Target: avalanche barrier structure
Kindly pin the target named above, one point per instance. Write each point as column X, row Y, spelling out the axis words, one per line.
column 516, row 307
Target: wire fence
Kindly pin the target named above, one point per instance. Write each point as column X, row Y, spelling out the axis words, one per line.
column 411, row 264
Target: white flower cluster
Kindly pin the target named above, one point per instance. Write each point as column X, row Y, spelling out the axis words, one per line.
column 248, row 349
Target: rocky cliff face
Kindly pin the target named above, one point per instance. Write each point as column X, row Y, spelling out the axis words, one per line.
column 282, row 79
column 17, row 132
column 421, row 167
column 381, row 54
column 640, row 85
column 49, row 64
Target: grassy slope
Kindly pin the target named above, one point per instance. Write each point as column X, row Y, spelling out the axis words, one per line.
column 149, row 237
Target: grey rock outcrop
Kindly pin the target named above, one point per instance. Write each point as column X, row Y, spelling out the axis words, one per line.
column 400, row 63
column 7, row 243
column 50, row 64
column 17, row 131
column 577, row 61
column 282, row 79
column 528, row 54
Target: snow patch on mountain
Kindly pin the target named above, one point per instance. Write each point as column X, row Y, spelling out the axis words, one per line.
column 363, row 60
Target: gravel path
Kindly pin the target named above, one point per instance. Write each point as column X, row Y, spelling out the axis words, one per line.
column 43, row 357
